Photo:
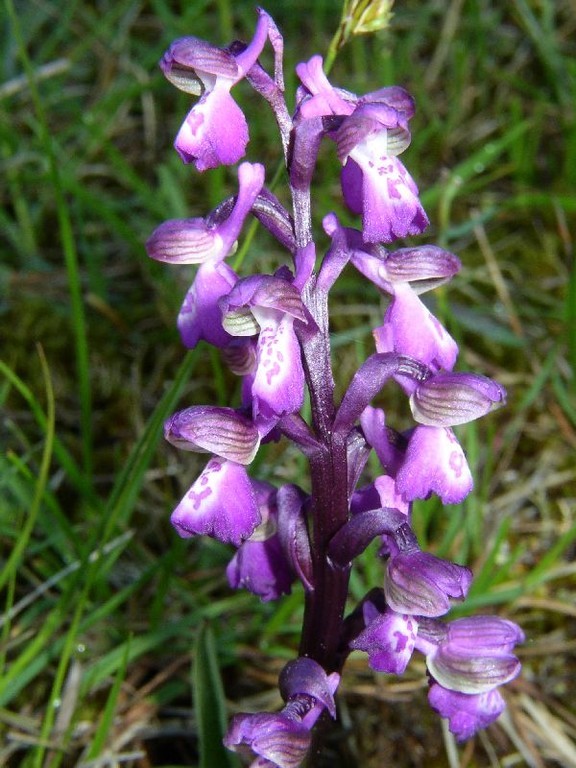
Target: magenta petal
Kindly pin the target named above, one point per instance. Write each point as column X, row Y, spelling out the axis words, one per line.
column 411, row 329
column 261, row 568
column 466, row 713
column 434, row 463
column 373, row 425
column 388, row 640
column 278, row 386
column 352, row 181
column 215, row 131
column 200, row 316
column 390, row 204
column 322, row 98
column 221, row 503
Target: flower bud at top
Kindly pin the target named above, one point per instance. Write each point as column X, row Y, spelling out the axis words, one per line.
column 448, row 399
column 369, row 17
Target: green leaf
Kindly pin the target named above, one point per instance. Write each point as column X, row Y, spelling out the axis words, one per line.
column 210, row 704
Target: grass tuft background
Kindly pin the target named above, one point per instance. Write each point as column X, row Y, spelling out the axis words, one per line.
column 104, row 609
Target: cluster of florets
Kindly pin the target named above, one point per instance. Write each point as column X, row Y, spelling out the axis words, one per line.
column 272, row 331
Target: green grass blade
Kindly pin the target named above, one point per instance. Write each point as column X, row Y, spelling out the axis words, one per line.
column 106, row 721
column 75, row 474
column 16, row 554
column 210, row 703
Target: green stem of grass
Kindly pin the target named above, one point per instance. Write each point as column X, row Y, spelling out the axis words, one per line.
column 24, row 537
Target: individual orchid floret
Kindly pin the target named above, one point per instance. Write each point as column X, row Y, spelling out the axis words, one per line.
column 373, row 131
column 434, row 462
column 423, row 267
column 215, row 131
column 421, row 584
column 207, row 242
column 388, row 639
column 196, row 241
column 282, row 739
column 475, row 654
column 447, row 399
column 468, row 659
column 466, row 713
column 431, row 344
column 269, row 306
column 221, row 503
column 270, row 739
column 214, row 429
column 260, row 564
column 374, row 182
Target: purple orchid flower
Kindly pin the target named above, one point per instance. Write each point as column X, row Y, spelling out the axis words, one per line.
column 373, row 131
column 207, row 243
column 269, row 306
column 200, row 316
column 282, row 739
column 215, row 131
column 475, row 654
column 468, row 660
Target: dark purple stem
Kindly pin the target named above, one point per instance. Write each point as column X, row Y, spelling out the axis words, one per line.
column 325, row 604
